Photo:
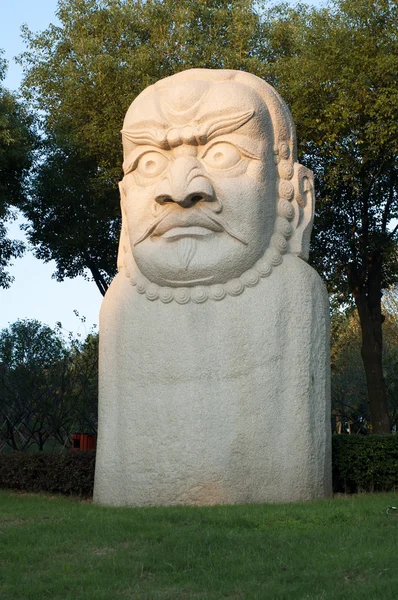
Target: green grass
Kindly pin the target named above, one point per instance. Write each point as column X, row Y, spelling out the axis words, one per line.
column 59, row 548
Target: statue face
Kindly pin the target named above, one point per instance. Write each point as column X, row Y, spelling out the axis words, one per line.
column 199, row 194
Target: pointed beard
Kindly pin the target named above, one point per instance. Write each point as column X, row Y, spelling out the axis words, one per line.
column 186, row 248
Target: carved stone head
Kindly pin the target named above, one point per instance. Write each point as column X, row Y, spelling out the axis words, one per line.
column 212, row 194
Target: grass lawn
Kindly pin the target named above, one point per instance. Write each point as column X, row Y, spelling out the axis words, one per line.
column 60, row 548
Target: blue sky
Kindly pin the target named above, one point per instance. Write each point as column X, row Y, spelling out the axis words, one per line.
column 34, row 294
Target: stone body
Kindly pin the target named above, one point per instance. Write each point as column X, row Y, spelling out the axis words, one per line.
column 214, row 356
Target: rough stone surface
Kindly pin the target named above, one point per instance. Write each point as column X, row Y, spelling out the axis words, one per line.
column 214, row 357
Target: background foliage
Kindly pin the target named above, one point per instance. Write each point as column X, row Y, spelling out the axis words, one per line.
column 48, row 386
column 350, row 406
column 18, row 141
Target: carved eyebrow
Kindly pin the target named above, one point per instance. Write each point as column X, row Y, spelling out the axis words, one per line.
column 154, row 135
column 210, row 127
column 217, row 126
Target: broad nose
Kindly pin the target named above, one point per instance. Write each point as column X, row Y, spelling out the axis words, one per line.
column 185, row 184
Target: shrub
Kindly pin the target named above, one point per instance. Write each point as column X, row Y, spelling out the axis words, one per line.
column 360, row 464
column 365, row 463
column 62, row 473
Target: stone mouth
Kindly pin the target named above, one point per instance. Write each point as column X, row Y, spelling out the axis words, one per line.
column 188, row 221
column 177, row 233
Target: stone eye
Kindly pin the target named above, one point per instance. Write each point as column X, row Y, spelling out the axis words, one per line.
column 222, row 156
column 151, row 164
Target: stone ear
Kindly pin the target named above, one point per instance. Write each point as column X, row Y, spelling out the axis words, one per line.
column 124, row 242
column 304, row 206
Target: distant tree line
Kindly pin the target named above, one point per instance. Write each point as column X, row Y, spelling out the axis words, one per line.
column 336, row 66
column 48, row 386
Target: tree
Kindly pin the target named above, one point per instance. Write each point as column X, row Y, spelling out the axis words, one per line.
column 74, row 219
column 338, row 69
column 48, row 385
column 33, row 361
column 390, row 352
column 350, row 410
column 85, row 388
column 81, row 77
column 350, row 405
column 17, row 143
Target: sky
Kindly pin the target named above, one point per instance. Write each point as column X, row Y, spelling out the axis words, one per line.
column 34, row 294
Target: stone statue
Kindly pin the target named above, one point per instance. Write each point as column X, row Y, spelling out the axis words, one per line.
column 214, row 357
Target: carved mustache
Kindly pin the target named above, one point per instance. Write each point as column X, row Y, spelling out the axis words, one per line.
column 196, row 217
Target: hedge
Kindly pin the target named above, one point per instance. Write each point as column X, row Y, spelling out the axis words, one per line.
column 365, row 463
column 69, row 473
column 360, row 463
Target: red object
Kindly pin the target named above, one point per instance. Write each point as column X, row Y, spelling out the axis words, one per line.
column 84, row 441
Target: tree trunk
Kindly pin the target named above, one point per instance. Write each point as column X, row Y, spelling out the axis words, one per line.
column 371, row 352
column 99, row 280
column 367, row 297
